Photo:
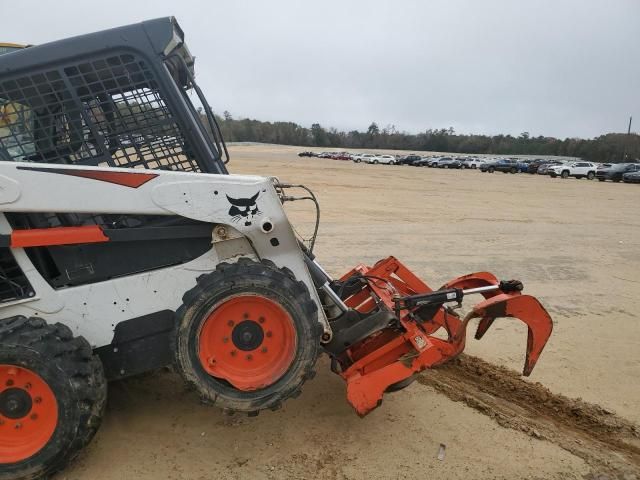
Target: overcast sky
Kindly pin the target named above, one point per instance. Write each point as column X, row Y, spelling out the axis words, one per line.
column 552, row 67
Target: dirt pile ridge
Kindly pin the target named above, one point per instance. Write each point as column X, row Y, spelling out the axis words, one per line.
column 608, row 443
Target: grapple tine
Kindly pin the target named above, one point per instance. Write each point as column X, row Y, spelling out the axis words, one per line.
column 527, row 309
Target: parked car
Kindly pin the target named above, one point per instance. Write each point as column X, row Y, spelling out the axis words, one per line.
column 306, row 154
column 409, row 159
column 473, row 162
column 523, row 165
column 504, row 165
column 631, row 177
column 362, row 156
column 449, row 163
column 616, row 171
column 423, row 162
column 386, row 159
column 543, row 169
column 535, row 164
column 434, row 161
column 573, row 169
column 341, row 156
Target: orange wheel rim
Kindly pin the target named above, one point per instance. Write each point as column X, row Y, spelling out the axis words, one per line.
column 28, row 413
column 247, row 340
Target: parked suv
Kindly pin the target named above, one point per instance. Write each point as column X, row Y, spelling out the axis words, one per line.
column 503, row 165
column 616, row 171
column 575, row 169
column 362, row 157
column 387, row 159
column 409, row 159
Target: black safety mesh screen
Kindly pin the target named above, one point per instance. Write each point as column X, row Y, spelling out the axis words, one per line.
column 107, row 111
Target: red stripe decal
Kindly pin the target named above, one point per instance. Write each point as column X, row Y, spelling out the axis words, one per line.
column 40, row 237
column 133, row 180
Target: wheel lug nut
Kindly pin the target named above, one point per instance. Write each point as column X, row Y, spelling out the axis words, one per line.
column 34, row 416
column 9, row 383
column 230, row 323
column 18, row 426
column 249, row 357
column 261, row 320
column 264, row 349
column 212, row 361
column 246, row 315
column 233, row 353
column 269, row 334
column 27, row 386
column 37, row 400
column 225, row 339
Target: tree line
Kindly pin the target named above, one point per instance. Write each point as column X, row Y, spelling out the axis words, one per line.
column 611, row 147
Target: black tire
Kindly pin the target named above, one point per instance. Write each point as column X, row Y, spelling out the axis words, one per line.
column 565, row 174
column 601, row 179
column 251, row 277
column 375, row 162
column 491, row 169
column 616, row 180
column 474, row 166
column 591, row 175
column 514, row 170
column 76, row 378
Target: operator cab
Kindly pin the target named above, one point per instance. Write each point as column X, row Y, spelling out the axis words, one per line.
column 91, row 100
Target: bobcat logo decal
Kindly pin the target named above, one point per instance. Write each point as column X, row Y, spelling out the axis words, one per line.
column 244, row 209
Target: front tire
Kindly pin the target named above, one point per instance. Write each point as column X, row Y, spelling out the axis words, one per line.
column 247, row 336
column 491, row 169
column 591, row 175
column 52, row 397
column 565, row 174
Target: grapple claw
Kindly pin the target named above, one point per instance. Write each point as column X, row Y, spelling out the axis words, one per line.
column 524, row 307
column 408, row 345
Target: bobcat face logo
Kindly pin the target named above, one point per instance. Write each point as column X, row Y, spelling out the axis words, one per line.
column 244, row 209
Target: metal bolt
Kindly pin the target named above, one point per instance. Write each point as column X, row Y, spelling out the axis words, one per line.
column 261, row 319
column 34, row 416
column 245, row 315
column 233, row 353
column 230, row 323
column 38, row 400
column 249, row 357
column 225, row 339
column 212, row 361
column 9, row 383
column 264, row 350
column 27, row 386
column 18, row 426
column 269, row 334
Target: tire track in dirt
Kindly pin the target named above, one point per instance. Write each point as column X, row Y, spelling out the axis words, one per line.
column 609, row 444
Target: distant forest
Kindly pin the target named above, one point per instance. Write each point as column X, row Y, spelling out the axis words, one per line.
column 612, row 147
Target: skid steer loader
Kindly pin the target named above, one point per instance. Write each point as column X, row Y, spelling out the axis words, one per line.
column 126, row 246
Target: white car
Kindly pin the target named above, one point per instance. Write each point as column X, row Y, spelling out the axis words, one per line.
column 386, row 159
column 364, row 157
column 574, row 169
column 473, row 162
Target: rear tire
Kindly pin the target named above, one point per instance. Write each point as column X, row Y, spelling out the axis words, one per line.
column 514, row 170
column 591, row 175
column 56, row 387
column 278, row 291
column 565, row 174
column 491, row 169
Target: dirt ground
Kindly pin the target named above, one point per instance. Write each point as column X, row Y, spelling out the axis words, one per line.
column 574, row 243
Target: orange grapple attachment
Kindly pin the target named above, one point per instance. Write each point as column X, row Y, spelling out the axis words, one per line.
column 523, row 307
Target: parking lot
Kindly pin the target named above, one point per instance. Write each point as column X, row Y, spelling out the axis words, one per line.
column 574, row 244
